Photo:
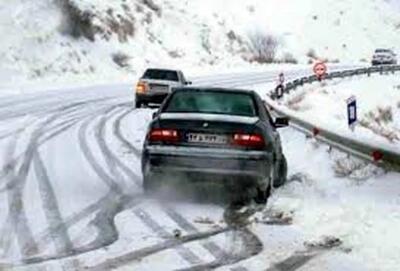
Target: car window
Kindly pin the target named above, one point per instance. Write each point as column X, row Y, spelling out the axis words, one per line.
column 161, row 75
column 382, row 51
column 227, row 103
column 182, row 77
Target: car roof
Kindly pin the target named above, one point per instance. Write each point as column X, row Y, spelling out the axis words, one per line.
column 158, row 69
column 214, row 89
column 383, row 50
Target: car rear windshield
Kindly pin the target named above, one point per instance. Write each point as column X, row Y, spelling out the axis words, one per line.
column 161, row 75
column 212, row 102
column 382, row 51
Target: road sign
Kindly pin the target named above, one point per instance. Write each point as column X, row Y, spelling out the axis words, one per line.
column 320, row 69
column 352, row 112
column 279, row 91
column 281, row 78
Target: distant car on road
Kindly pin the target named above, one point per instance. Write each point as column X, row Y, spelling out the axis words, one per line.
column 384, row 57
column 156, row 84
column 220, row 136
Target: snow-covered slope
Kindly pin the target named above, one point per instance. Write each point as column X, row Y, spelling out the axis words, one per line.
column 378, row 106
column 85, row 40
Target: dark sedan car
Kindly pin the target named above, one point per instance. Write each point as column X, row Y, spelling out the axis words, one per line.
column 222, row 136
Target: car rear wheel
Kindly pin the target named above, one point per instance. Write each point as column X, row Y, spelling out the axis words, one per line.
column 262, row 195
column 281, row 177
column 150, row 182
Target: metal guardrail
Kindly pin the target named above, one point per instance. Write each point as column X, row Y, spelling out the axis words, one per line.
column 360, row 149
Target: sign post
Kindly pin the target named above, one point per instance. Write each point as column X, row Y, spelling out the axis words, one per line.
column 352, row 112
column 279, row 88
column 320, row 70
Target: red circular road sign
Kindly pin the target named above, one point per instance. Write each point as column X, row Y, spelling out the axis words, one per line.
column 320, row 69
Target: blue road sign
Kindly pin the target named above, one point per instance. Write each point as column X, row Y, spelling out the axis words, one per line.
column 352, row 112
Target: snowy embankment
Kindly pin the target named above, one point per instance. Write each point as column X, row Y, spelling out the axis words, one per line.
column 84, row 41
column 325, row 106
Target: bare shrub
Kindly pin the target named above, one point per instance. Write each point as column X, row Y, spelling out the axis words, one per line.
column 311, row 54
column 377, row 121
column 85, row 23
column 355, row 169
column 345, row 167
column 77, row 23
column 294, row 103
column 175, row 54
column 263, row 47
column 289, row 58
column 153, row 6
column 251, row 9
column 231, row 35
column 121, row 59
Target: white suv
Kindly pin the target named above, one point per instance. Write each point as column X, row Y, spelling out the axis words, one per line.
column 384, row 57
column 155, row 85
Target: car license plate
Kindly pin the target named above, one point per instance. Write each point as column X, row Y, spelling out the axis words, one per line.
column 207, row 138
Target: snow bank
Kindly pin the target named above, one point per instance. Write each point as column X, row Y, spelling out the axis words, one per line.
column 378, row 99
column 103, row 41
column 360, row 208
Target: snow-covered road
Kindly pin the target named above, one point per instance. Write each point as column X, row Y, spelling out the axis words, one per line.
column 71, row 196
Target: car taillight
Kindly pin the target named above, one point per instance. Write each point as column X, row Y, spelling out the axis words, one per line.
column 164, row 135
column 248, row 140
column 141, row 87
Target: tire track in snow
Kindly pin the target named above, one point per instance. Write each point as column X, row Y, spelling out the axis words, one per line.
column 90, row 158
column 118, row 133
column 61, row 127
column 107, row 209
column 61, row 240
column 16, row 210
column 185, row 253
column 50, row 206
column 139, row 254
column 63, row 110
column 252, row 247
column 7, row 229
column 14, row 189
column 211, row 247
column 300, row 258
column 112, row 160
column 104, row 222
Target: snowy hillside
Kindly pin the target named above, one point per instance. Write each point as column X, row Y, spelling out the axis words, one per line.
column 85, row 40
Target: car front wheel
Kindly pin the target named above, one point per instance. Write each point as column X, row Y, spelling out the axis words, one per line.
column 280, row 177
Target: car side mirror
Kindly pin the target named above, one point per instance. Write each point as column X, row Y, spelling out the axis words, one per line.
column 188, row 82
column 154, row 115
column 281, row 122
